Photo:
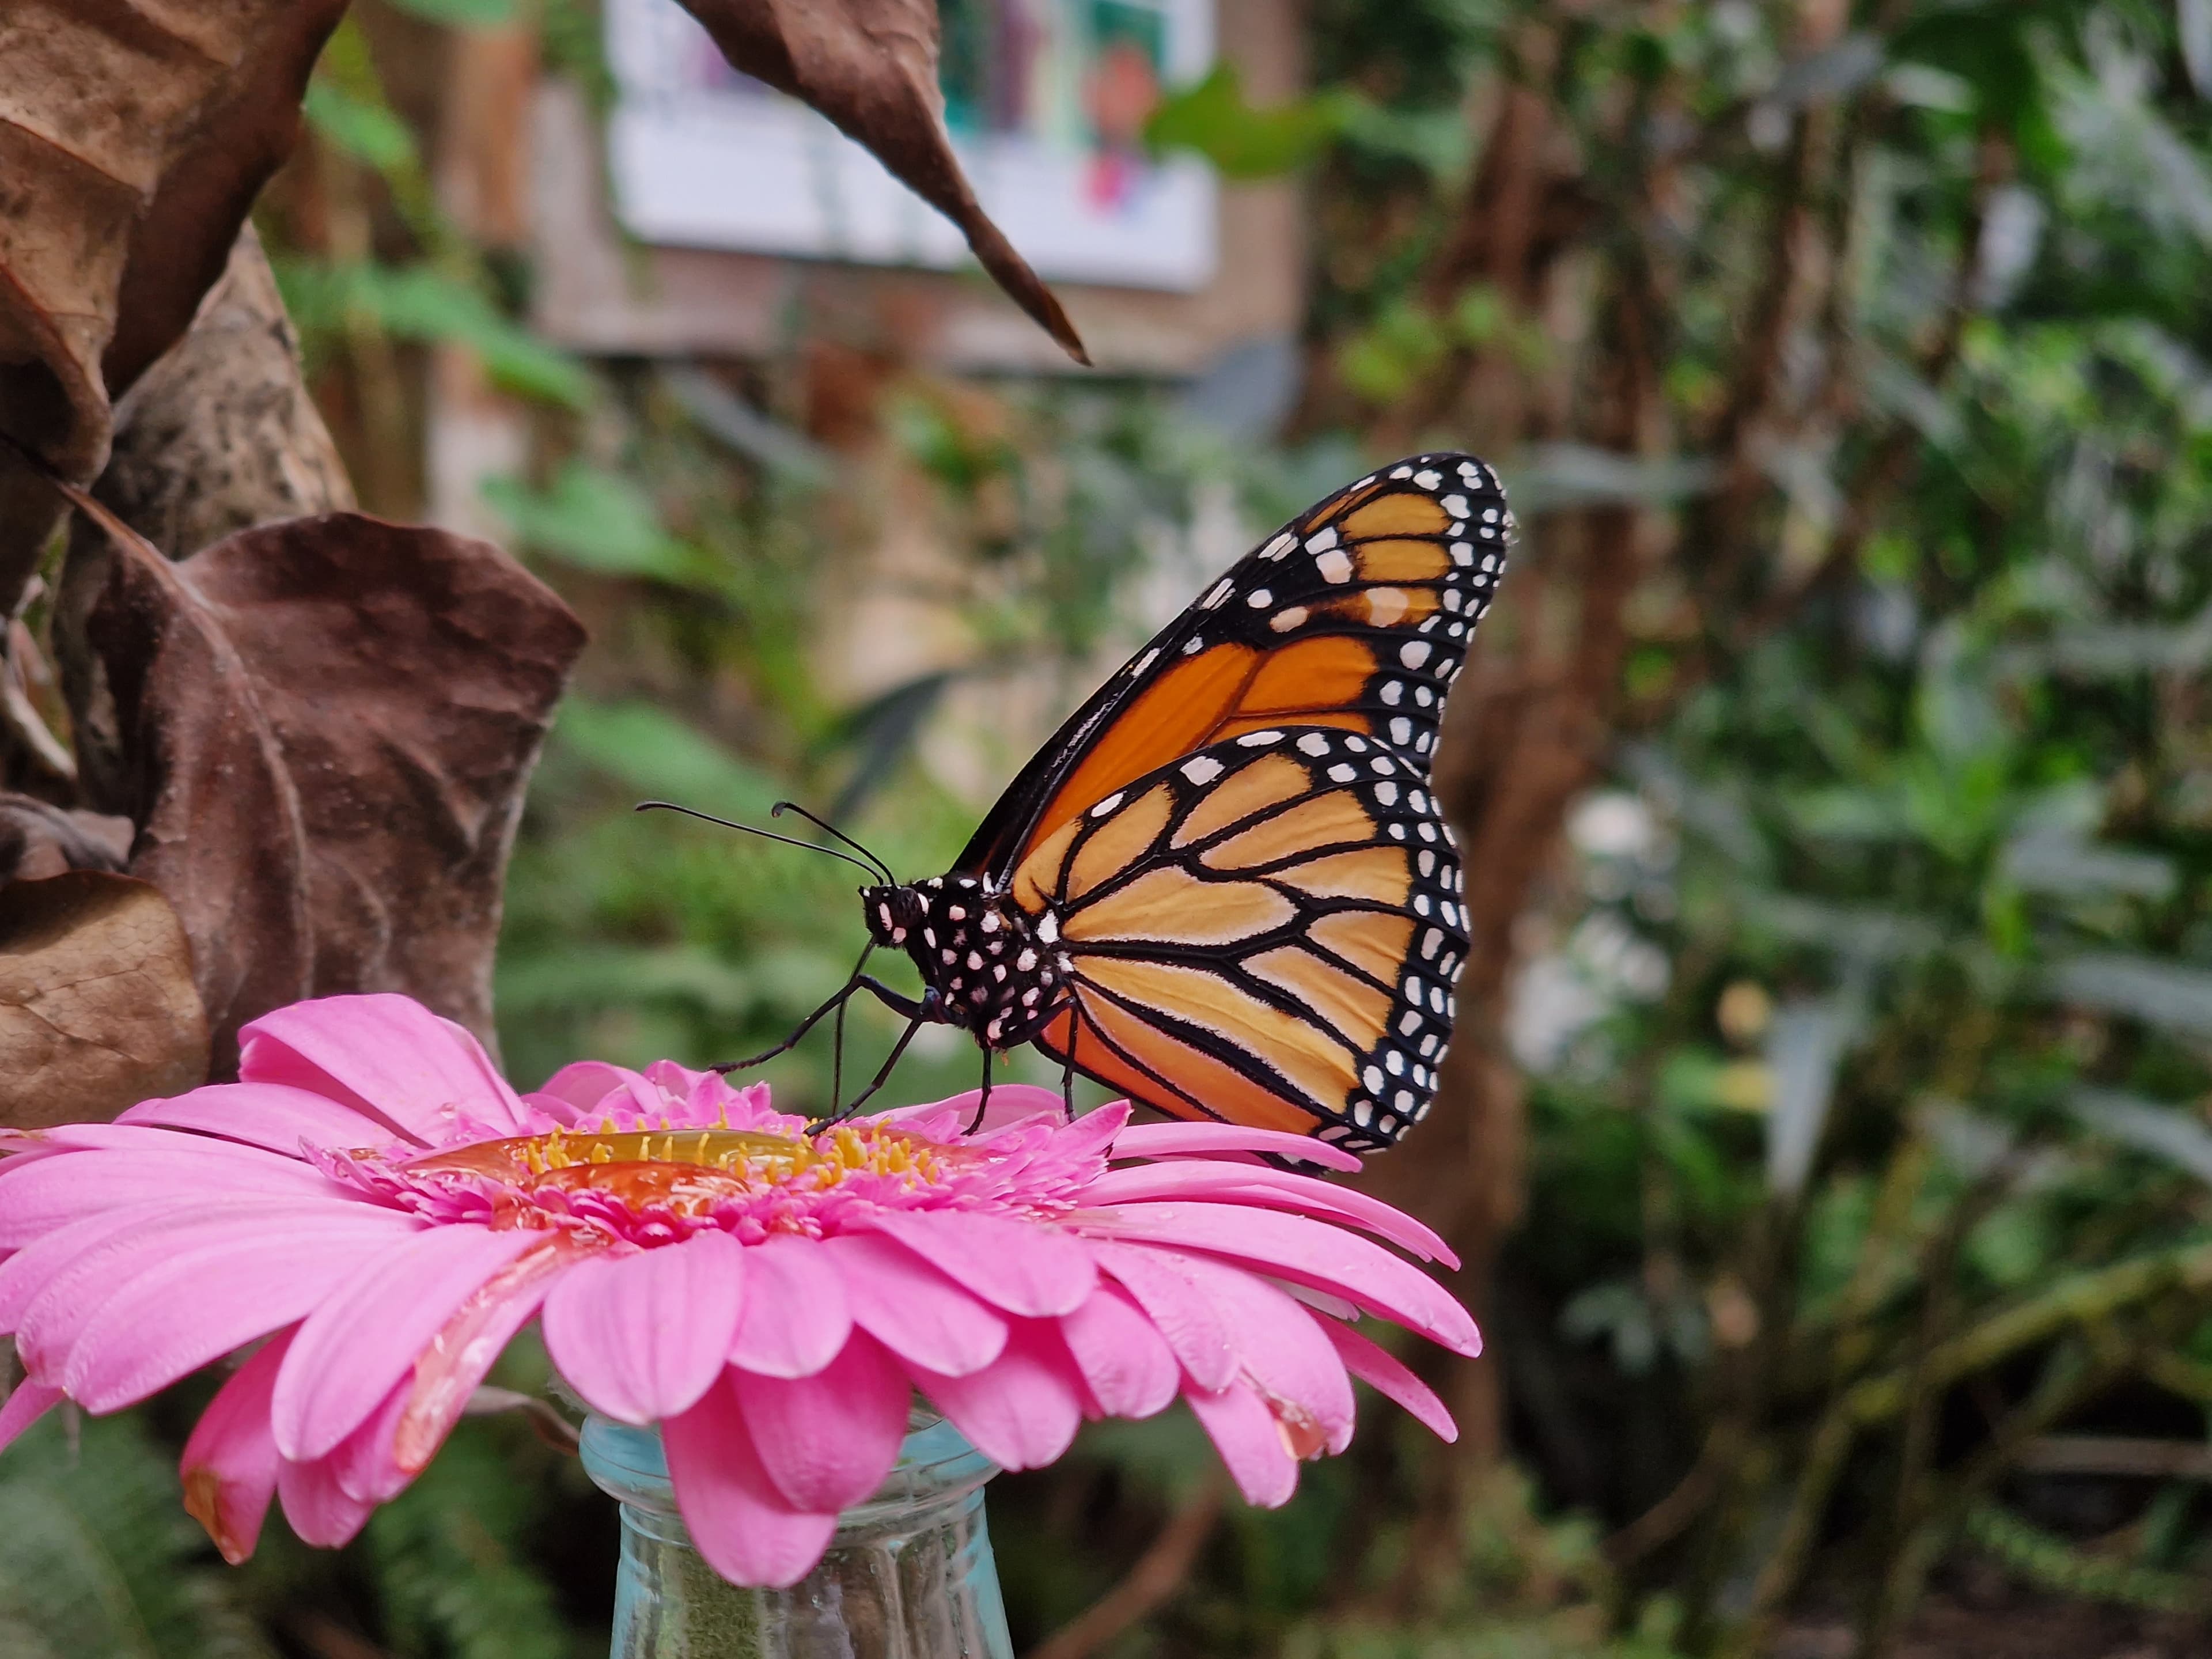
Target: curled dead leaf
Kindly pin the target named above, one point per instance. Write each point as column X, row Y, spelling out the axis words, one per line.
column 134, row 136
column 871, row 67
column 323, row 728
column 97, row 1007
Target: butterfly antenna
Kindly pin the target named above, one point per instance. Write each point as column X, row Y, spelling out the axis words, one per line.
column 783, row 806
column 871, row 871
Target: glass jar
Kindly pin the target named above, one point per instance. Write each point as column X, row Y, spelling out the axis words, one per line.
column 909, row 1574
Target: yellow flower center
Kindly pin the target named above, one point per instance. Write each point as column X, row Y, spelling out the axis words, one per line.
column 689, row 1169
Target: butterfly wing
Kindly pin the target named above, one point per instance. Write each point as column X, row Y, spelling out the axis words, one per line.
column 1355, row 614
column 1265, row 930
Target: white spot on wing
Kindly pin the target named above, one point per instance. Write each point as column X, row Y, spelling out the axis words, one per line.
column 1415, row 653
column 1202, row 769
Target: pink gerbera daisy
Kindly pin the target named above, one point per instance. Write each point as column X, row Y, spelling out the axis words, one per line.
column 373, row 1200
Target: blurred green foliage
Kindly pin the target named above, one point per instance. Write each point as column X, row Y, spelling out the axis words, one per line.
column 1865, row 1027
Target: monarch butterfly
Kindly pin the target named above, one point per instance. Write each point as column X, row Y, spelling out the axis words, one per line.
column 1224, row 887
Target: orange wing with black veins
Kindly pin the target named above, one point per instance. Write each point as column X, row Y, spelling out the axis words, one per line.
column 1354, row 616
column 1266, row 931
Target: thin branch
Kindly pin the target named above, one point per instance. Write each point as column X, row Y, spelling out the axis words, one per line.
column 2118, row 1454
column 1665, row 1520
column 1158, row 1574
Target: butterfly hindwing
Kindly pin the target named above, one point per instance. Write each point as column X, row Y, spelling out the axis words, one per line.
column 1356, row 615
column 1267, row 930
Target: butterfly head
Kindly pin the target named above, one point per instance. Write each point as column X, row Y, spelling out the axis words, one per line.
column 977, row 952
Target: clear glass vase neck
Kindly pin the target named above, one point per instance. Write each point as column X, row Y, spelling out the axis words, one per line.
column 909, row 1574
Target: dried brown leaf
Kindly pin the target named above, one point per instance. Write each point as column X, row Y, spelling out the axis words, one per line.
column 871, row 67
column 97, row 1007
column 323, row 729
column 220, row 434
column 134, row 135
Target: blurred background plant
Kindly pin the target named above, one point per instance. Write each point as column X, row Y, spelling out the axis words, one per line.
column 1828, row 1135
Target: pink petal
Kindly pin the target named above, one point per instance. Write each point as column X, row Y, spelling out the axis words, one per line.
column 1174, row 1139
column 27, row 1271
column 643, row 1336
column 1182, row 1313
column 1022, row 1410
column 147, row 1138
column 79, row 1289
column 1246, row 1183
column 796, row 1315
column 362, row 1463
column 1130, row 1368
column 1244, row 1431
column 744, row 1528
column 38, row 1196
column 827, row 1441
column 583, row 1085
column 369, row 1332
column 386, row 1054
column 1280, row 1348
column 469, row 1344
column 1020, row 1266
column 1382, row 1372
column 1011, row 1103
column 320, row 1510
column 263, row 1114
column 204, row 1302
column 1291, row 1247
column 29, row 1403
column 230, row 1463
column 912, row 1309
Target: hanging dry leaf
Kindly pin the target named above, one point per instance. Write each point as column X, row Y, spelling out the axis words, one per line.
column 220, row 434
column 323, row 729
column 134, row 136
column 871, row 67
column 97, row 1008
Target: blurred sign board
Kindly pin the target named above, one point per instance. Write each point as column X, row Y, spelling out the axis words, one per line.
column 1046, row 99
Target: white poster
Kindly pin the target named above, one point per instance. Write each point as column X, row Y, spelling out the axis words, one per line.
column 1047, row 100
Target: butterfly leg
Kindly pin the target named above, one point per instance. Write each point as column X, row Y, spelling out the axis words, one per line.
column 837, row 1044
column 983, row 1103
column 882, row 1075
column 1067, row 1075
column 836, row 1003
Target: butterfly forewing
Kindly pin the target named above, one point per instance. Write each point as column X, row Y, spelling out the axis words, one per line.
column 1354, row 616
column 1267, row 930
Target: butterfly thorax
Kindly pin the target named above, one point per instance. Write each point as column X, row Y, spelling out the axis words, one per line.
column 978, row 953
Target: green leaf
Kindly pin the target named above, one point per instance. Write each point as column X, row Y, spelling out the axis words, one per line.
column 597, row 521
column 419, row 302
column 100, row 1561
column 1243, row 142
column 657, row 754
column 462, row 14
column 368, row 132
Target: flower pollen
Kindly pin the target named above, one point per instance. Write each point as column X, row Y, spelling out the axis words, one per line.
column 662, row 1184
